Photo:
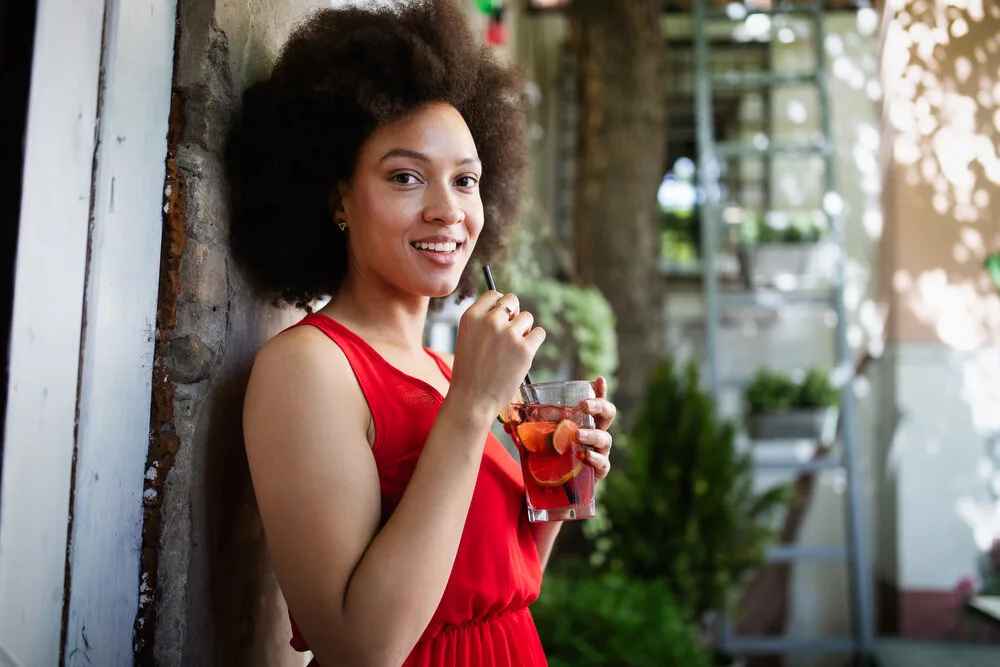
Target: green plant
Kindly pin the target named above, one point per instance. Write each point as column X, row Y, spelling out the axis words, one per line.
column 680, row 236
column 562, row 308
column 797, row 227
column 682, row 506
column 992, row 265
column 989, row 569
column 816, row 390
column 770, row 391
column 611, row 620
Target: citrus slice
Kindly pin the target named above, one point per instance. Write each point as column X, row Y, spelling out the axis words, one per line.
column 564, row 436
column 509, row 415
column 552, row 470
column 536, row 437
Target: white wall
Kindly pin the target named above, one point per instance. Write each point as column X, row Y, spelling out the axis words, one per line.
column 941, row 461
column 942, row 182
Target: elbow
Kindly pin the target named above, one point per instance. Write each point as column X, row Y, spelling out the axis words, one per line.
column 386, row 656
column 360, row 656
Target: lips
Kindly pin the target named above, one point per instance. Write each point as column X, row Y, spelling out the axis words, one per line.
column 444, row 246
column 438, row 251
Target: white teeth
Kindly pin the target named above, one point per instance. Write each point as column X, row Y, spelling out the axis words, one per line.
column 437, row 247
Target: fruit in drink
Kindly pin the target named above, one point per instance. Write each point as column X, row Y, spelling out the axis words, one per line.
column 553, row 470
column 509, row 415
column 536, row 437
column 565, row 436
column 556, row 479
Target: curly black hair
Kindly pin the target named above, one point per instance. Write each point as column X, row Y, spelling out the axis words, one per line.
column 341, row 74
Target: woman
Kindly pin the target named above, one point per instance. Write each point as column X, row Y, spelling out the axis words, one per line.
column 383, row 154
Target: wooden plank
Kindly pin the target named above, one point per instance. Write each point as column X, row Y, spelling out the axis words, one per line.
column 120, row 307
column 45, row 330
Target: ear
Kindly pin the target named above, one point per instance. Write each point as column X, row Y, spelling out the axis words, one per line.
column 335, row 201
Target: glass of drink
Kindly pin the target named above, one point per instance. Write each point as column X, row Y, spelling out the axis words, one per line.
column 559, row 485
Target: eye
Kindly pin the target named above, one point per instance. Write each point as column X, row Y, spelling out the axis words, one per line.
column 404, row 178
column 467, row 181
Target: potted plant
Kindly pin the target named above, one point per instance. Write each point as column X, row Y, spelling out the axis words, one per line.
column 780, row 408
column 785, row 250
column 683, row 507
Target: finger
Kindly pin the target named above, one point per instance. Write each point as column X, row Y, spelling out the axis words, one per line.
column 599, row 462
column 601, row 387
column 485, row 303
column 598, row 440
column 534, row 339
column 523, row 322
column 511, row 301
column 507, row 306
column 602, row 409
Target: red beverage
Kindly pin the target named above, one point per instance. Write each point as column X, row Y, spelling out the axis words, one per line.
column 559, row 485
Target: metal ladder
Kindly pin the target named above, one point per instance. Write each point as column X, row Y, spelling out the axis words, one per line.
column 710, row 152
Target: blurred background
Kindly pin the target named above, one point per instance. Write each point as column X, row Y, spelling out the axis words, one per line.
column 774, row 226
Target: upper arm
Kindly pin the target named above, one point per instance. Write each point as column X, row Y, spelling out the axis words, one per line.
column 314, row 475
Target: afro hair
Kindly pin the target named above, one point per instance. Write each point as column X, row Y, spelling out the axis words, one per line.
column 342, row 74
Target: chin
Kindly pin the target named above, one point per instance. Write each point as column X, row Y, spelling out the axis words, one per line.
column 442, row 291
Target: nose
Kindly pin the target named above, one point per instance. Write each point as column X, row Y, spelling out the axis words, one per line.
column 442, row 207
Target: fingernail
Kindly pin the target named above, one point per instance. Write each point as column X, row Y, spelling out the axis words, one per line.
column 585, row 435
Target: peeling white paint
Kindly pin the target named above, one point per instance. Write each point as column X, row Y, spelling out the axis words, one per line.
column 45, row 330
column 117, row 359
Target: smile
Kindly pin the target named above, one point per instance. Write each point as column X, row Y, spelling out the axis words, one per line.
column 436, row 247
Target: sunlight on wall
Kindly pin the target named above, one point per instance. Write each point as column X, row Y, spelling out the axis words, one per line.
column 943, row 110
column 940, row 70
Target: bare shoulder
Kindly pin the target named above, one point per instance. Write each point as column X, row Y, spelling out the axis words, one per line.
column 313, row 471
column 301, row 364
column 302, row 391
column 304, row 345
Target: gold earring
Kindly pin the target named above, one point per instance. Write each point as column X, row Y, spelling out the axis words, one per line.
column 342, row 224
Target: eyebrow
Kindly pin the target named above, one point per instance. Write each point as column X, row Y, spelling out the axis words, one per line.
column 417, row 155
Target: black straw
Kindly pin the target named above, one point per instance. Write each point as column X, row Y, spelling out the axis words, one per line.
column 491, row 285
column 570, row 488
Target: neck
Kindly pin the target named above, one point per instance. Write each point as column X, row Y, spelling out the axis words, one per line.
column 379, row 312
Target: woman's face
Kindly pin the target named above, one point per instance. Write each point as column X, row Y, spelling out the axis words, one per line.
column 413, row 208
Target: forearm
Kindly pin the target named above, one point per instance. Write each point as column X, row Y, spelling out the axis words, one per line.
column 398, row 584
column 545, row 537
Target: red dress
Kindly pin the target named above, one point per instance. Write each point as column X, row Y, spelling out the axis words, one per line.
column 483, row 618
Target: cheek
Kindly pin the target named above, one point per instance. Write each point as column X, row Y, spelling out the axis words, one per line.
column 377, row 207
column 474, row 223
column 379, row 213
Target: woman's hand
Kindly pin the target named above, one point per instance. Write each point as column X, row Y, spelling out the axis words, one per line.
column 494, row 348
column 598, row 440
